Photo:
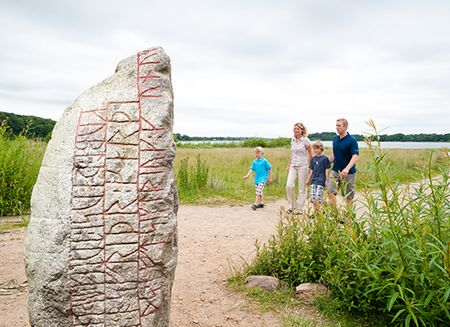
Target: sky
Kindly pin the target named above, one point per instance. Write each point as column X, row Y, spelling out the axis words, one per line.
column 241, row 67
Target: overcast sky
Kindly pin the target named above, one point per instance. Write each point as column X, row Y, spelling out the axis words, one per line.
column 240, row 67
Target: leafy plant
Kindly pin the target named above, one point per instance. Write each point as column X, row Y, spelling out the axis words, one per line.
column 20, row 160
column 391, row 264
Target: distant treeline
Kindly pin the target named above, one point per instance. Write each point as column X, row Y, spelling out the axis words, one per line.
column 328, row 136
column 183, row 137
column 399, row 137
column 32, row 126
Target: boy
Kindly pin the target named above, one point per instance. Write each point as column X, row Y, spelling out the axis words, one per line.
column 263, row 174
column 318, row 174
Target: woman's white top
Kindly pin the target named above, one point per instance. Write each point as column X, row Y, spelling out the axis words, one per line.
column 299, row 152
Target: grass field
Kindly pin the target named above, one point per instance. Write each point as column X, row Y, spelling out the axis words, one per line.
column 204, row 175
column 225, row 168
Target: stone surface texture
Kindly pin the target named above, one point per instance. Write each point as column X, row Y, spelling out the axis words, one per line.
column 309, row 292
column 101, row 248
column 267, row 283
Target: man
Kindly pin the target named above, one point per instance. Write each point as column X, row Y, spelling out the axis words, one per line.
column 344, row 158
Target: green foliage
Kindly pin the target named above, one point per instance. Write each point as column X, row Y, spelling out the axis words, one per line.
column 254, row 142
column 20, row 160
column 266, row 143
column 247, row 143
column 392, row 263
column 192, row 180
column 29, row 126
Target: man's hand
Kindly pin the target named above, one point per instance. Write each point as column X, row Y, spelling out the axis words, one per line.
column 344, row 173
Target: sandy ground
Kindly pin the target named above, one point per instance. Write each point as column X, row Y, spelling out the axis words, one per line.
column 209, row 239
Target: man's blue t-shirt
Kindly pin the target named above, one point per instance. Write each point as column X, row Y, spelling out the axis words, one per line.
column 319, row 165
column 343, row 150
column 261, row 168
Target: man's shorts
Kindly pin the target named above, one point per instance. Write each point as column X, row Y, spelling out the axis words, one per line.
column 346, row 186
column 316, row 193
column 259, row 188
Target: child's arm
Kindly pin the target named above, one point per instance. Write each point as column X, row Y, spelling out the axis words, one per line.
column 248, row 174
column 270, row 176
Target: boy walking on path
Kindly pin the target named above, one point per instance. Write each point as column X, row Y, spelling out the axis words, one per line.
column 345, row 156
column 318, row 174
column 263, row 174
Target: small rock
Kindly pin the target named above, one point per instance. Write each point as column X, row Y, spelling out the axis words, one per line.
column 309, row 292
column 268, row 283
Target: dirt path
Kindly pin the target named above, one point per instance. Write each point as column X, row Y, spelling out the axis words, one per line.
column 209, row 237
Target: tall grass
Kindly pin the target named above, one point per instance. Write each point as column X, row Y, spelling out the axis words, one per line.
column 20, row 160
column 227, row 166
column 221, row 172
column 391, row 265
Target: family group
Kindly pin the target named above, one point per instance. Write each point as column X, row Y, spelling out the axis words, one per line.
column 310, row 166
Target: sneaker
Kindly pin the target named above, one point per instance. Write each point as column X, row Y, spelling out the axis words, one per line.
column 261, row 205
column 254, row 206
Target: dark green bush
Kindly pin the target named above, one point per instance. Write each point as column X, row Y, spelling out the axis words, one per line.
column 254, row 142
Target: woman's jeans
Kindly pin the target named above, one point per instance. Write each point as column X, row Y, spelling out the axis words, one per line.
column 302, row 173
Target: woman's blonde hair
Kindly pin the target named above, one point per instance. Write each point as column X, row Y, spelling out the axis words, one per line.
column 303, row 128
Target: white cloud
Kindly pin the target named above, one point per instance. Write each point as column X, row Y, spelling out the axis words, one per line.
column 241, row 68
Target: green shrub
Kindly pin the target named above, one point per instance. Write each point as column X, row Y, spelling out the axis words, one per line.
column 254, row 142
column 20, row 160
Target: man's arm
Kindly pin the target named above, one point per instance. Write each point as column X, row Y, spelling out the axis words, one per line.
column 352, row 162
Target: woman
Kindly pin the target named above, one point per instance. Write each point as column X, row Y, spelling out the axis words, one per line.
column 301, row 154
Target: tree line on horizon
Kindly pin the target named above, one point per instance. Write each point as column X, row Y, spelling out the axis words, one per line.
column 30, row 126
column 33, row 126
column 328, row 136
